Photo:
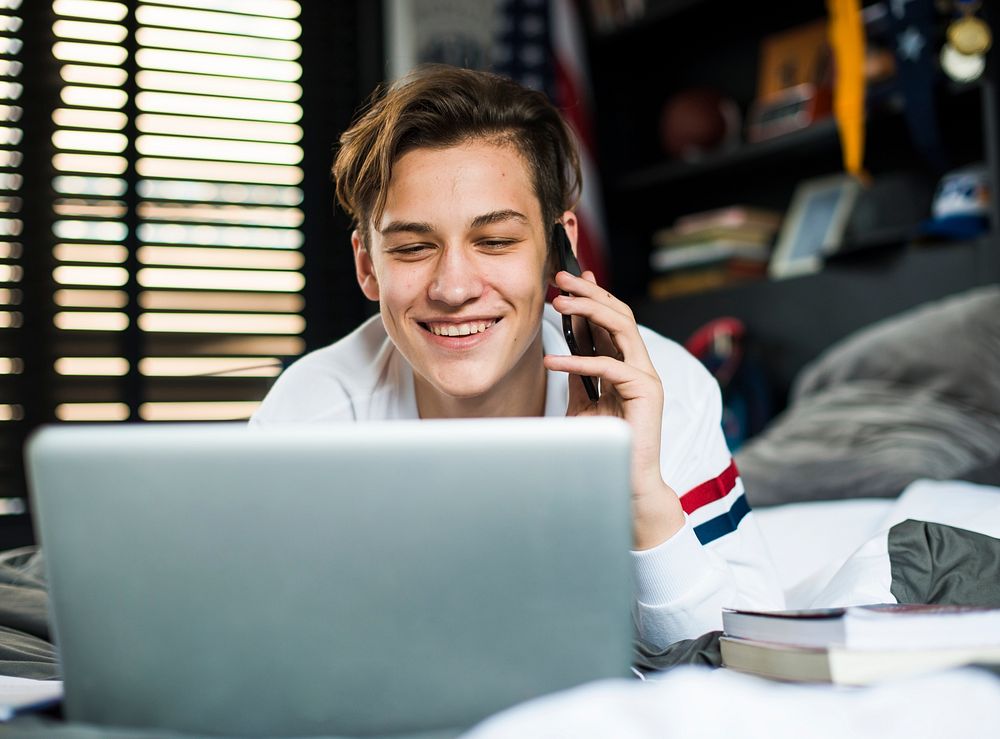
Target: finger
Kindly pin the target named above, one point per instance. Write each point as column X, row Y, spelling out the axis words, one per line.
column 602, row 339
column 579, row 398
column 613, row 336
column 625, row 341
column 588, row 288
column 628, row 381
column 594, row 292
column 603, row 342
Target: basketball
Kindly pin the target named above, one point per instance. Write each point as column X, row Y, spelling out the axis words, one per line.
column 697, row 121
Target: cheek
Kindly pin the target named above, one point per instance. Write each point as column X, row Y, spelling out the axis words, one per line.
column 526, row 276
column 400, row 285
column 520, row 282
column 539, row 276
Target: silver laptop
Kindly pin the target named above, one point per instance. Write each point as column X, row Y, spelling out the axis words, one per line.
column 381, row 579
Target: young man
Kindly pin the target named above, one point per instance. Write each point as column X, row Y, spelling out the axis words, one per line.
column 455, row 180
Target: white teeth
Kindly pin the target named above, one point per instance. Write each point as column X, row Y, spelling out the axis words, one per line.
column 459, row 329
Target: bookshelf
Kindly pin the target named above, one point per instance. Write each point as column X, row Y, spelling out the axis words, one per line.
column 680, row 44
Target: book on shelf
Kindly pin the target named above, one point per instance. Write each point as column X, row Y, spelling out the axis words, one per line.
column 709, row 252
column 735, row 224
column 671, row 238
column 707, row 277
column 879, row 626
column 733, row 216
column 844, row 666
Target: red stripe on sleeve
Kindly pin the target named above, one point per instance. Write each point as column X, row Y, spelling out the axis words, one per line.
column 714, row 489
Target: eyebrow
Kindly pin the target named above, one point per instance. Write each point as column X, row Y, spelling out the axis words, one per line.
column 415, row 227
column 486, row 219
column 498, row 216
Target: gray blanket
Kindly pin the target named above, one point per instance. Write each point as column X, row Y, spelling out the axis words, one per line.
column 915, row 396
column 25, row 645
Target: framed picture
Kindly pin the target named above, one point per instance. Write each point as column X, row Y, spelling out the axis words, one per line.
column 456, row 32
column 800, row 55
column 814, row 225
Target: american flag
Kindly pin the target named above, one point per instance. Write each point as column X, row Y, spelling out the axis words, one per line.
column 540, row 44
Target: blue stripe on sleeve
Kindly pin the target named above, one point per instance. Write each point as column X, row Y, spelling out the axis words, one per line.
column 723, row 524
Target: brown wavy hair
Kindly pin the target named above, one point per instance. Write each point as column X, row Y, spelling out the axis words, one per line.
column 439, row 106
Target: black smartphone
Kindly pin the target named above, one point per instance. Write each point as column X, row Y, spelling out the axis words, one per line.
column 576, row 329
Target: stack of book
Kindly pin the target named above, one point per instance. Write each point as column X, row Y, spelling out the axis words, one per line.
column 860, row 644
column 712, row 249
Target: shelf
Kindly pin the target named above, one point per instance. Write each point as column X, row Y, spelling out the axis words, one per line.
column 884, row 102
column 820, row 135
column 794, row 319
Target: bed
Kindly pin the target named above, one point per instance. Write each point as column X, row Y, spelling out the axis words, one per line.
column 896, row 425
column 818, row 546
column 899, row 421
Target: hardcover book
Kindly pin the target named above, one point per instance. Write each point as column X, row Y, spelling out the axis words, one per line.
column 844, row 666
column 733, row 216
column 876, row 627
column 710, row 252
column 734, row 223
column 728, row 272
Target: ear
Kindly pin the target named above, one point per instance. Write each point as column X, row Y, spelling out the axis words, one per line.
column 572, row 226
column 363, row 268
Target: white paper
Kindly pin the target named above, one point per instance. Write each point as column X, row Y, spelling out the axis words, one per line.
column 20, row 693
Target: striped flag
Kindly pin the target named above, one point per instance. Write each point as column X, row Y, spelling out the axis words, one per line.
column 541, row 45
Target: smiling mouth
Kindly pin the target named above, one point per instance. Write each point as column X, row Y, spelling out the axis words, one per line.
column 458, row 329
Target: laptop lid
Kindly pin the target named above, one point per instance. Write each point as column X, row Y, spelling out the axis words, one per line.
column 372, row 579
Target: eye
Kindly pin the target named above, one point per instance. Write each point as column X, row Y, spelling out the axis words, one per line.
column 410, row 250
column 497, row 244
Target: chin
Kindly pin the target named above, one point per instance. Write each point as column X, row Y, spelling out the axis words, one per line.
column 462, row 390
column 463, row 382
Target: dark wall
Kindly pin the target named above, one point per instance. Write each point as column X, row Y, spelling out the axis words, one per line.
column 342, row 53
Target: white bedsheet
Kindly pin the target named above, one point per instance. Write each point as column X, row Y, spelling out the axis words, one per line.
column 810, row 541
column 699, row 703
column 824, row 549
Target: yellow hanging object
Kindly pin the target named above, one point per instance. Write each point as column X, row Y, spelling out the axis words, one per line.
column 847, row 40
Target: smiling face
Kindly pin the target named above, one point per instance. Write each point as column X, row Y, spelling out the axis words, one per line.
column 458, row 265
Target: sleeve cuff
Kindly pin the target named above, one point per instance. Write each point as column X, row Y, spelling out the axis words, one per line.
column 667, row 572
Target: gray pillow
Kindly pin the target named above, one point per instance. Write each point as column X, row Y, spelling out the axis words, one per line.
column 951, row 346
column 917, row 395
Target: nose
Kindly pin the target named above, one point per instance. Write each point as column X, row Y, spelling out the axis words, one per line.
column 456, row 279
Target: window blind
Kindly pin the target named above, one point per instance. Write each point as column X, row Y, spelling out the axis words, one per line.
column 178, row 218
column 11, row 357
column 89, row 210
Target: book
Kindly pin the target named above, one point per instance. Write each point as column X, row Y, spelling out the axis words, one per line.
column 693, row 255
column 736, row 223
column 734, row 216
column 667, row 238
column 844, row 666
column 706, row 277
column 878, row 626
column 21, row 695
